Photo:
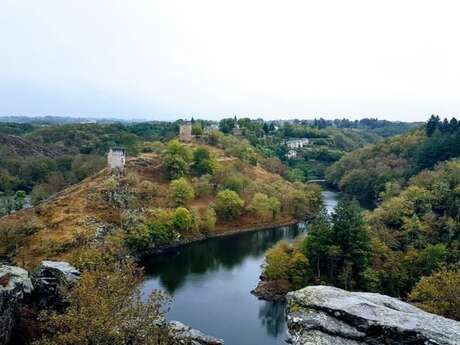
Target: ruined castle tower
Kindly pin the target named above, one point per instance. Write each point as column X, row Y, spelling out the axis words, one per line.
column 116, row 159
column 185, row 132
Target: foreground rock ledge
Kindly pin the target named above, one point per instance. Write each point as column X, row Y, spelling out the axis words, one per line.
column 42, row 290
column 183, row 334
column 323, row 315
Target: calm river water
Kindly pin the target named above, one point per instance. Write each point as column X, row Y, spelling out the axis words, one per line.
column 210, row 282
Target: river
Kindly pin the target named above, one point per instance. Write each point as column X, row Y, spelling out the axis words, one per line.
column 210, row 282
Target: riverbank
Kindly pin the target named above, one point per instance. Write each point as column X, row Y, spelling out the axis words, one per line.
column 210, row 283
column 277, row 289
column 202, row 237
column 272, row 290
column 211, row 280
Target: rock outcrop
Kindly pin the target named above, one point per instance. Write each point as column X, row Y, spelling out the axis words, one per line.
column 183, row 334
column 48, row 279
column 15, row 286
column 323, row 315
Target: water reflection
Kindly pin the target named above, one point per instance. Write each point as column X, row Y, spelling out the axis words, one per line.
column 273, row 318
column 173, row 267
column 330, row 200
column 211, row 283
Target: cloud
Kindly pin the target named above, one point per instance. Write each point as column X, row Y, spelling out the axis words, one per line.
column 147, row 58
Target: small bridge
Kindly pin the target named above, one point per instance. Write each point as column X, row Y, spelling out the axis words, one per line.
column 316, row 181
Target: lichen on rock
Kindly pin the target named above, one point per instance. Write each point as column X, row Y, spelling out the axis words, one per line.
column 324, row 315
column 183, row 334
column 49, row 278
column 15, row 285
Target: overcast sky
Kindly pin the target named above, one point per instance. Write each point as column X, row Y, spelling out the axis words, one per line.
column 168, row 59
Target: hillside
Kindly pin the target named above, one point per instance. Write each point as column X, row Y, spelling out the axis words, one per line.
column 138, row 212
column 365, row 171
column 27, row 148
column 382, row 169
column 416, row 234
column 42, row 158
column 37, row 169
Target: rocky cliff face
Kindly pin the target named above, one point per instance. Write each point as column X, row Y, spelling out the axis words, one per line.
column 322, row 315
column 15, row 286
column 48, row 279
column 41, row 290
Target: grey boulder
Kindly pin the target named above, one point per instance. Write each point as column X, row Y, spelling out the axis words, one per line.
column 15, row 285
column 49, row 279
column 324, row 315
column 183, row 334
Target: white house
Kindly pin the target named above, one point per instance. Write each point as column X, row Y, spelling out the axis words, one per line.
column 116, row 159
column 297, row 143
column 291, row 154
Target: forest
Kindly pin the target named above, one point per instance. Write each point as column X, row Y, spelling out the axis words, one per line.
column 329, row 140
column 408, row 246
column 382, row 169
column 56, row 153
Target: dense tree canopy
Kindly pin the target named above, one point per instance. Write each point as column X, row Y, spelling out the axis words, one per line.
column 366, row 173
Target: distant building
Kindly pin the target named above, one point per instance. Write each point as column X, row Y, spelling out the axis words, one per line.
column 296, row 143
column 236, row 130
column 116, row 159
column 291, row 154
column 185, row 132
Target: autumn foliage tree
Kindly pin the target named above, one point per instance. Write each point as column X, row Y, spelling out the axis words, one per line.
column 105, row 308
column 265, row 206
column 439, row 293
column 285, row 262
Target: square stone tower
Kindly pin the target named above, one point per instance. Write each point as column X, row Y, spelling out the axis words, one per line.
column 116, row 159
column 185, row 132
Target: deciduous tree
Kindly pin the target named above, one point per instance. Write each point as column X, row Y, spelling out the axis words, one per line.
column 180, row 191
column 228, row 205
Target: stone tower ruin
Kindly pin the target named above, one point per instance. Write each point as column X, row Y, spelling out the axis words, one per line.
column 116, row 159
column 185, row 132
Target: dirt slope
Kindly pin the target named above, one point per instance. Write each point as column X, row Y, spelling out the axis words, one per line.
column 70, row 219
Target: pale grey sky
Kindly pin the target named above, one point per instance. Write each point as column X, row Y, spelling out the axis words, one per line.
column 167, row 59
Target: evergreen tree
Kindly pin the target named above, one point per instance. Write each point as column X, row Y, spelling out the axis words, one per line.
column 349, row 234
column 317, row 243
column 445, row 126
column 266, row 128
column 432, row 125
